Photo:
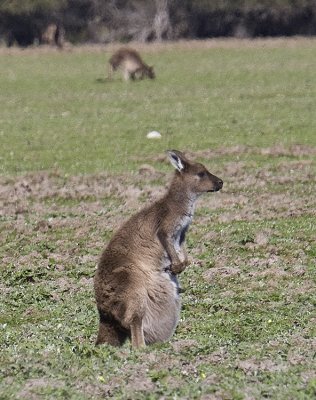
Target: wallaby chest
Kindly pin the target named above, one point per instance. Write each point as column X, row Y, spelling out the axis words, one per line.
column 180, row 229
column 131, row 64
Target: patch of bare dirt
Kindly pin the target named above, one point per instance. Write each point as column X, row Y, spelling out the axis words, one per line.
column 252, row 366
column 216, row 357
column 183, row 344
column 264, row 266
column 274, row 272
column 18, row 195
column 262, row 237
column 270, row 206
column 295, row 150
column 32, row 387
column 308, row 376
column 222, row 272
column 218, row 395
column 48, row 185
column 274, row 151
column 27, row 194
column 140, row 384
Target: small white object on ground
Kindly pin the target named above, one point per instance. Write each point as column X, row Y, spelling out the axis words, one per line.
column 153, row 135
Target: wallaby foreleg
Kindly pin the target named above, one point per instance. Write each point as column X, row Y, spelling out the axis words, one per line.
column 127, row 75
column 138, row 74
column 184, row 261
column 177, row 265
column 110, row 71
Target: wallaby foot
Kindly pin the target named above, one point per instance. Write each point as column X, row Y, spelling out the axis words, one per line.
column 137, row 333
column 110, row 332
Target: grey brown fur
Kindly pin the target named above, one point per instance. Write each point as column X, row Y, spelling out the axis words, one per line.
column 131, row 64
column 136, row 286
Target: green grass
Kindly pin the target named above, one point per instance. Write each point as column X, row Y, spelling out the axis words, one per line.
column 247, row 328
column 56, row 114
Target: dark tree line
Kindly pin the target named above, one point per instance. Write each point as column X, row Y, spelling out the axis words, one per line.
column 26, row 22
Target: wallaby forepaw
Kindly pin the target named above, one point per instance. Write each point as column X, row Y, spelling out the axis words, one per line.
column 178, row 268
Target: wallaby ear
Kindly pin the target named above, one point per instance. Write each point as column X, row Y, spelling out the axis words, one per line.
column 177, row 159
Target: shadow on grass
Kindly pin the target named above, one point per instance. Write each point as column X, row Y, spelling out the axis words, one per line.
column 104, row 80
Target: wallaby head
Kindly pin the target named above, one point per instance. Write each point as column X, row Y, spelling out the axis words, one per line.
column 193, row 176
column 144, row 71
column 150, row 72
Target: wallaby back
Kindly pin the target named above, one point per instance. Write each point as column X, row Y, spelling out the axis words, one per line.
column 131, row 64
column 136, row 285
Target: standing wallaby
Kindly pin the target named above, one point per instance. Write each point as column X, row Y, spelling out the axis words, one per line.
column 130, row 62
column 54, row 34
column 136, row 286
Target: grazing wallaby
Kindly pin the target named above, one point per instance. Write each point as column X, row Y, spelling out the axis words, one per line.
column 136, row 286
column 130, row 62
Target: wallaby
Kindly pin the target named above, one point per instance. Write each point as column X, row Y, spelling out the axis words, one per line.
column 131, row 64
column 136, row 285
column 54, row 34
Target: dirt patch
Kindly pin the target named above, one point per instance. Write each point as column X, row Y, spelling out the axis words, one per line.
column 222, row 272
column 216, row 357
column 140, row 384
column 296, row 150
column 33, row 387
column 252, row 366
column 18, row 194
column 184, row 344
column 49, row 185
column 262, row 237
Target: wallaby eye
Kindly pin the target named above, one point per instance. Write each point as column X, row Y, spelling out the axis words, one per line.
column 201, row 174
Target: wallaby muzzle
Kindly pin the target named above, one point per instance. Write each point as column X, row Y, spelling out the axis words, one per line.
column 218, row 185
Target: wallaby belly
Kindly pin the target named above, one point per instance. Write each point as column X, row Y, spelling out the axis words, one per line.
column 162, row 308
column 130, row 65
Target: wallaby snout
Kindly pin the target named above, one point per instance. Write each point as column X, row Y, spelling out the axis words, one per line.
column 216, row 182
column 151, row 73
column 210, row 181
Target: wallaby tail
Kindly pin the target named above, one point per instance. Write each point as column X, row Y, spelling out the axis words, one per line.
column 110, row 331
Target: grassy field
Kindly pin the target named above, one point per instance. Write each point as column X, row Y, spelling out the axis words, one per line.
column 75, row 162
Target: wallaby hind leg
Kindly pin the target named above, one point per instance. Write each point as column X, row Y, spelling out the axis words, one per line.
column 110, row 332
column 137, row 333
column 126, row 75
column 110, row 72
column 139, row 74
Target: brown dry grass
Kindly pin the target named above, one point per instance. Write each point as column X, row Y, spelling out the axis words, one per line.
column 218, row 43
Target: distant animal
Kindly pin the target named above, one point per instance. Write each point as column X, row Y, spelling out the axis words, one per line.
column 54, row 34
column 136, row 284
column 131, row 64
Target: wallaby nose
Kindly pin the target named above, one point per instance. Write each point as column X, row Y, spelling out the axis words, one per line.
column 220, row 183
